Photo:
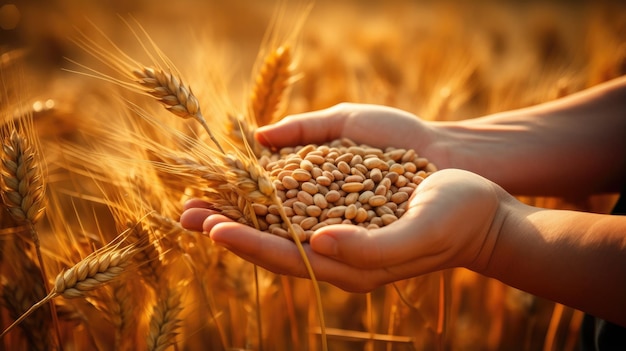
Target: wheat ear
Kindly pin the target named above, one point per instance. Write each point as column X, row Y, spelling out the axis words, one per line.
column 92, row 272
column 270, row 85
column 22, row 188
column 177, row 98
column 22, row 180
column 17, row 300
column 122, row 309
column 95, row 270
column 148, row 259
column 164, row 321
column 253, row 183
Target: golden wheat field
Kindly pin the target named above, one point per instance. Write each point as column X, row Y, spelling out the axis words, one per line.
column 95, row 170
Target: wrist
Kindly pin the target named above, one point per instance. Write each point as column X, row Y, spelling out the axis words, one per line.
column 489, row 258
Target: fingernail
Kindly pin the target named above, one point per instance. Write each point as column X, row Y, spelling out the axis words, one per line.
column 324, row 244
column 260, row 136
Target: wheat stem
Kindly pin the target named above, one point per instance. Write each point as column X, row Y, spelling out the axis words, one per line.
column 28, row 312
column 257, row 293
column 209, row 302
column 23, row 193
column 316, row 288
column 44, row 278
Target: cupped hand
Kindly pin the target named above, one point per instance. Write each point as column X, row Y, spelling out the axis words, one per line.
column 374, row 125
column 453, row 220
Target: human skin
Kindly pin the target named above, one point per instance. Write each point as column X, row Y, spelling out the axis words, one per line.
column 466, row 215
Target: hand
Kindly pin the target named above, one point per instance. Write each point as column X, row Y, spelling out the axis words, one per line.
column 453, row 220
column 374, row 125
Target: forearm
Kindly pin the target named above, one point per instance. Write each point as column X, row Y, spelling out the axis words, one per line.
column 576, row 144
column 575, row 258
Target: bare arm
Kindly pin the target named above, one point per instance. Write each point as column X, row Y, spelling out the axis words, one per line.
column 575, row 258
column 575, row 145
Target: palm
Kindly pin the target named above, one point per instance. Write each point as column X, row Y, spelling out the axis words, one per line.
column 449, row 224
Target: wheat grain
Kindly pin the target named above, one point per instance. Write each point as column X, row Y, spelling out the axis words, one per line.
column 318, row 185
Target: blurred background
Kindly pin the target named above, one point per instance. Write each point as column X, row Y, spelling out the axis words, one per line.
column 442, row 60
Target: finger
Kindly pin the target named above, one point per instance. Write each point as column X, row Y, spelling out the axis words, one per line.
column 191, row 203
column 272, row 252
column 281, row 256
column 193, row 218
column 306, row 128
column 214, row 220
column 361, row 248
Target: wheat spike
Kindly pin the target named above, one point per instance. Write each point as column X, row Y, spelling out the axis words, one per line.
column 122, row 309
column 248, row 179
column 148, row 259
column 254, row 184
column 270, row 85
column 170, row 91
column 92, row 272
column 22, row 186
column 164, row 321
column 179, row 99
column 21, row 179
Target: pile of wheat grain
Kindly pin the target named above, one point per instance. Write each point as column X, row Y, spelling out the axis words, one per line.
column 340, row 182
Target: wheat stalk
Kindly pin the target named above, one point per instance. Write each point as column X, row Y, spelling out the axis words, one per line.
column 253, row 183
column 95, row 270
column 21, row 287
column 22, row 188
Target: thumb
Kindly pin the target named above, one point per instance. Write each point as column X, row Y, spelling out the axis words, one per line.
column 300, row 129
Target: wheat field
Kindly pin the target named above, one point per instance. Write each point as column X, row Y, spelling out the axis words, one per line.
column 113, row 114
